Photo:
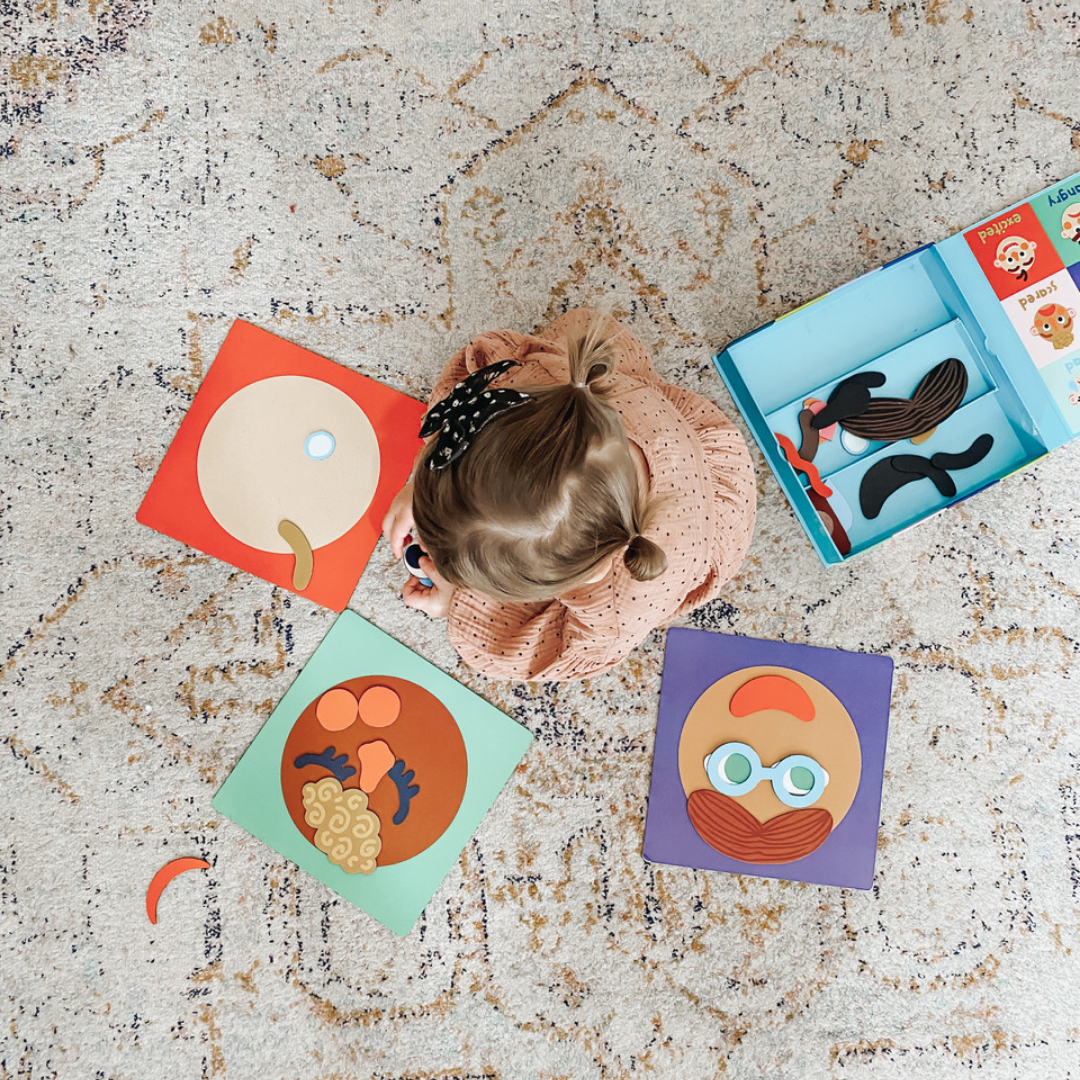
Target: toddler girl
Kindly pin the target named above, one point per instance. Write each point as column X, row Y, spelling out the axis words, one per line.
column 569, row 500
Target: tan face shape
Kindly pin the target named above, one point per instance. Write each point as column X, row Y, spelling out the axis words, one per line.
column 288, row 449
column 1070, row 222
column 1015, row 255
column 829, row 738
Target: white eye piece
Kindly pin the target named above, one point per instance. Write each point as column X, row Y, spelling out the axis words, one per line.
column 853, row 444
column 319, row 445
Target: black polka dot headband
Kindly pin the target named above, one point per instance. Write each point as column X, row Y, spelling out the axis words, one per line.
column 467, row 409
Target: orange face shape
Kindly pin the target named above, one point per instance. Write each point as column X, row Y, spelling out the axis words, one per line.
column 373, row 771
column 1054, row 323
column 770, row 763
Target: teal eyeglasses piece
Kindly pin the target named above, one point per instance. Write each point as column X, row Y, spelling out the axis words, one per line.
column 735, row 768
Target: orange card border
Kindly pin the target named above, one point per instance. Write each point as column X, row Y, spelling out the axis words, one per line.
column 173, row 504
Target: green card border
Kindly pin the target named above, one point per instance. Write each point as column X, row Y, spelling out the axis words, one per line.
column 494, row 745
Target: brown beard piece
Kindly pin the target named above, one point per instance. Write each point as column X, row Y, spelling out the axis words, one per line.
column 732, row 830
column 936, row 397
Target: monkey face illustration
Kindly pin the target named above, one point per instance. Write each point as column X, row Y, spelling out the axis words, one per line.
column 1054, row 323
column 1015, row 256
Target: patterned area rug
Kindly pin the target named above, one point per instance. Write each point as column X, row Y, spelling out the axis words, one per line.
column 378, row 180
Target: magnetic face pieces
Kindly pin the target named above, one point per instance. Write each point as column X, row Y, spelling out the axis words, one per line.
column 770, row 762
column 850, row 398
column 319, row 445
column 884, row 478
column 853, row 444
column 390, row 781
column 735, row 768
column 936, row 398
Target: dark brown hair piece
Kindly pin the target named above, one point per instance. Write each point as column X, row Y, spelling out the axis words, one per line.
column 936, row 398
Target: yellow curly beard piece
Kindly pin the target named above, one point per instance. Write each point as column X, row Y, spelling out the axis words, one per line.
column 345, row 829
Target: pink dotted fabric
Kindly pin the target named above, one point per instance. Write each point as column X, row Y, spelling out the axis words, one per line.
column 698, row 462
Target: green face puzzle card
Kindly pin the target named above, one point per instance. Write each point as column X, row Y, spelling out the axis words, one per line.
column 373, row 772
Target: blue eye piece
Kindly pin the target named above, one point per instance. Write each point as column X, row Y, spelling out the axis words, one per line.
column 319, row 445
column 735, row 768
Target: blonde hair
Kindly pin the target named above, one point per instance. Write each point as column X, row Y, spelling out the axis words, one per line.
column 545, row 493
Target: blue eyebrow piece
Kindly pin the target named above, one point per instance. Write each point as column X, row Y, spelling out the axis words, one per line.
column 338, row 764
column 406, row 789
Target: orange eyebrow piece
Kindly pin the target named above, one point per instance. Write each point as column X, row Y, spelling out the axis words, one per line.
column 772, row 692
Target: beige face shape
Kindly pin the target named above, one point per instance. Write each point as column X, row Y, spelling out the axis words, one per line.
column 265, row 458
column 829, row 738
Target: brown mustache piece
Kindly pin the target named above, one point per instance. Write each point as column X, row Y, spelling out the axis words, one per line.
column 937, row 397
column 732, row 830
column 810, row 436
column 294, row 536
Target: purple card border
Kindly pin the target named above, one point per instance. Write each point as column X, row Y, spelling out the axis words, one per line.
column 694, row 660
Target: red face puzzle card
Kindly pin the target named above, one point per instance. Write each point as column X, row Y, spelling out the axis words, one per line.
column 1014, row 251
column 285, row 465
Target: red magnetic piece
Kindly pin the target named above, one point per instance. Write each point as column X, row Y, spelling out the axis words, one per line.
column 772, row 692
column 164, row 876
column 801, row 465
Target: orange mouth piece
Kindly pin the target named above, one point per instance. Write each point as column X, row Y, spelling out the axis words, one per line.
column 731, row 829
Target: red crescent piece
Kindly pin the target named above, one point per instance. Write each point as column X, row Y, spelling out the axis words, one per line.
column 772, row 692
column 164, row 876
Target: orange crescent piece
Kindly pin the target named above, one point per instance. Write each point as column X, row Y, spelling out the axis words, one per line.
column 337, row 709
column 772, row 692
column 164, row 876
column 379, row 706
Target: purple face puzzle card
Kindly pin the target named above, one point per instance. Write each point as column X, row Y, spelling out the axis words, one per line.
column 769, row 759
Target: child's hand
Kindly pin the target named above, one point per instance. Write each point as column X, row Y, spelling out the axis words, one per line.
column 434, row 599
column 398, row 523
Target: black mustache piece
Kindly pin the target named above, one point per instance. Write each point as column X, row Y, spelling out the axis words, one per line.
column 849, row 398
column 971, row 456
column 886, row 477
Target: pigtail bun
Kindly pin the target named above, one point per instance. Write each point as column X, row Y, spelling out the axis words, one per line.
column 644, row 559
column 589, row 354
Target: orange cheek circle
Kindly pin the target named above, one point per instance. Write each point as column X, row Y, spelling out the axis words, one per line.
column 379, row 706
column 382, row 720
column 336, row 709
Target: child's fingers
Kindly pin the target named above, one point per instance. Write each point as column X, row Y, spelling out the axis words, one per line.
column 433, row 575
column 398, row 536
column 421, row 598
column 397, row 527
column 412, row 599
